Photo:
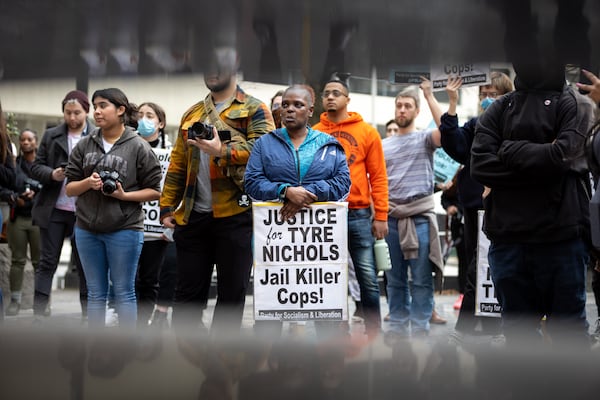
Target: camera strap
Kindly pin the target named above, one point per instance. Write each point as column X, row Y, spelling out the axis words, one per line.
column 98, row 162
column 101, row 158
column 214, row 118
column 233, row 172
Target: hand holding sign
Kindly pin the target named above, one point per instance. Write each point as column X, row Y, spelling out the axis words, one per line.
column 454, row 83
column 426, row 86
column 301, row 263
column 297, row 198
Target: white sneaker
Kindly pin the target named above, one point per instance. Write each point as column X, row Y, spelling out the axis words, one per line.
column 112, row 318
column 596, row 333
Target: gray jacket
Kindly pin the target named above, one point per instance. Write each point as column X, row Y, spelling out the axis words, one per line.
column 138, row 168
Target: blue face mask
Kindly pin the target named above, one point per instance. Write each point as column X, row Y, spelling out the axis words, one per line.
column 485, row 103
column 146, row 127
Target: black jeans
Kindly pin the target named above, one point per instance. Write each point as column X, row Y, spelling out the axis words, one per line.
column 147, row 278
column 168, row 277
column 203, row 243
column 52, row 238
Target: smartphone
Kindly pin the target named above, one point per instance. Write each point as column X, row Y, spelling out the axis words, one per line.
column 225, row 136
column 63, row 165
column 574, row 75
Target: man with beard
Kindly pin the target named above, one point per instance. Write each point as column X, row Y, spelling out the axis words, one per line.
column 203, row 198
column 53, row 211
column 413, row 232
column 368, row 199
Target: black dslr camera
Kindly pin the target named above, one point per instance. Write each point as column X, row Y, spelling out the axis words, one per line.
column 32, row 184
column 201, row 131
column 109, row 181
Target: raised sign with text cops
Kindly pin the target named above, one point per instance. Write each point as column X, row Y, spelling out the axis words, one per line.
column 473, row 74
column 301, row 265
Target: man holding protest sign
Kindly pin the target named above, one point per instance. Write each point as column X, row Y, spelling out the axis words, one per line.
column 369, row 191
column 457, row 141
column 296, row 165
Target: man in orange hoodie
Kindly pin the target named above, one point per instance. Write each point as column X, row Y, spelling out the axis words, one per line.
column 368, row 200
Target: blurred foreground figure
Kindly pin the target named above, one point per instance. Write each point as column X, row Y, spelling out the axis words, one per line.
column 528, row 149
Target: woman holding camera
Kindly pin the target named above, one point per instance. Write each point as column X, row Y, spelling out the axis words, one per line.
column 20, row 230
column 112, row 171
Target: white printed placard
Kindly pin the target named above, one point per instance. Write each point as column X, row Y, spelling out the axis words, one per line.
column 315, row 235
column 473, row 74
column 301, row 292
column 152, row 225
column 301, row 264
column 486, row 303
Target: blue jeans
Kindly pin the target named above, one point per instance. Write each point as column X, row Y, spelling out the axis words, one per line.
column 412, row 303
column 1, row 297
column 533, row 280
column 360, row 244
column 111, row 256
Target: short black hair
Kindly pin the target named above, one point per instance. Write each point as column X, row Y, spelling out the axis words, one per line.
column 336, row 80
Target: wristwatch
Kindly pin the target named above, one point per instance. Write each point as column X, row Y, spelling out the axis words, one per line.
column 282, row 194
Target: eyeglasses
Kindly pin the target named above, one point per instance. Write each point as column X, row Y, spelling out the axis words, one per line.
column 335, row 93
column 491, row 95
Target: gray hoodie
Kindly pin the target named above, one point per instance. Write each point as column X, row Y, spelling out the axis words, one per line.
column 138, row 168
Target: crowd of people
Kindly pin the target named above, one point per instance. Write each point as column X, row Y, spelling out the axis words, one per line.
column 98, row 184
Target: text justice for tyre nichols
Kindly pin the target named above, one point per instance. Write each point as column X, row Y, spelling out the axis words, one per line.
column 321, row 237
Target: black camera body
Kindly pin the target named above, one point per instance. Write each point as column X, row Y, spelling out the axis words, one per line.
column 109, row 181
column 201, row 131
column 34, row 185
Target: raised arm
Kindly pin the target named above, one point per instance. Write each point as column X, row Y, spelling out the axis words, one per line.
column 434, row 107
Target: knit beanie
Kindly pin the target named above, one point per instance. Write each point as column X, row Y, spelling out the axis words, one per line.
column 78, row 95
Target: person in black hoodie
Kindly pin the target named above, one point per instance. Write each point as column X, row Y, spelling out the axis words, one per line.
column 528, row 149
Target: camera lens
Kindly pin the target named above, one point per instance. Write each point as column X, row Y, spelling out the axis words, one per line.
column 109, row 186
column 201, row 131
column 109, row 181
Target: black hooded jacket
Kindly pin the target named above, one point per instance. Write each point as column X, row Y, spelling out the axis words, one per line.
column 528, row 149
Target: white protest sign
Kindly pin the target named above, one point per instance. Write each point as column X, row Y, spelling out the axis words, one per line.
column 473, row 74
column 301, row 265
column 486, row 303
column 152, row 225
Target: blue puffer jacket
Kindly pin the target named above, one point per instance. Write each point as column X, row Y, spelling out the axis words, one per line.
column 272, row 164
